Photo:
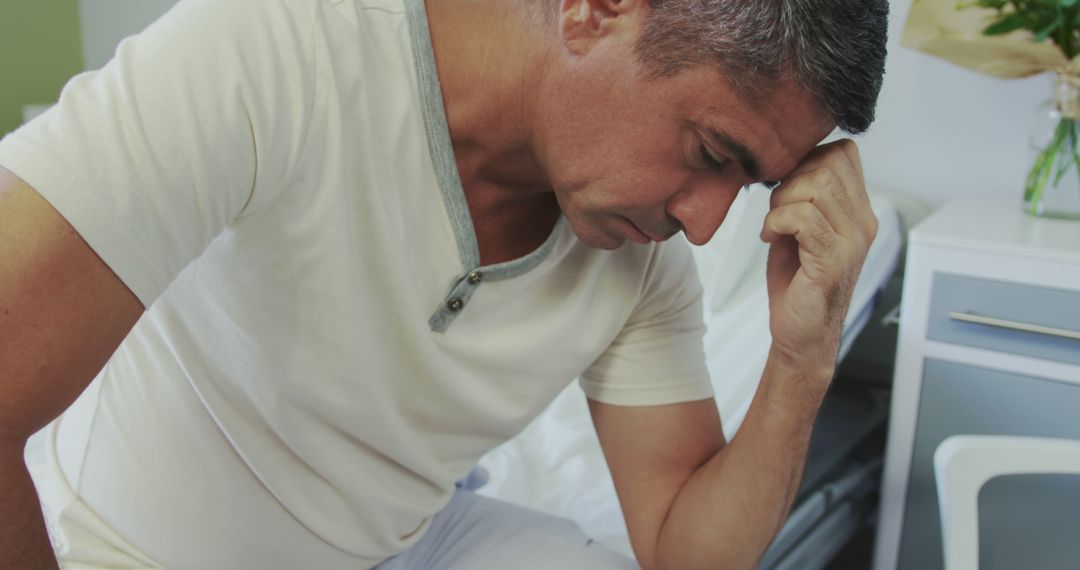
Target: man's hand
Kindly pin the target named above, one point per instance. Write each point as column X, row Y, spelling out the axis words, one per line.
column 680, row 486
column 820, row 228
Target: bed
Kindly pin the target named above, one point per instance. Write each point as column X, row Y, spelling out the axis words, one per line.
column 556, row 466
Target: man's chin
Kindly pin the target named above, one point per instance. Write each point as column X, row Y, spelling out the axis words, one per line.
column 607, row 242
column 598, row 240
column 608, row 245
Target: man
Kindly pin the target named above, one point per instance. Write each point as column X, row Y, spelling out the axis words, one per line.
column 372, row 239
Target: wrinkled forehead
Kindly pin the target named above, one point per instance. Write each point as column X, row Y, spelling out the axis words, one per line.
column 769, row 133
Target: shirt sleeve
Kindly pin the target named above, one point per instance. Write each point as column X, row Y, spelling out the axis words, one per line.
column 658, row 357
column 195, row 122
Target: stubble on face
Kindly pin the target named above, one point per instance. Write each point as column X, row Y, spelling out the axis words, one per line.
column 624, row 147
column 620, row 155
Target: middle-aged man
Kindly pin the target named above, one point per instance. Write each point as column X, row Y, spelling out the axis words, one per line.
column 292, row 266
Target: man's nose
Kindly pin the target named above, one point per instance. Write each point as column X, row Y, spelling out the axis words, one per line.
column 701, row 209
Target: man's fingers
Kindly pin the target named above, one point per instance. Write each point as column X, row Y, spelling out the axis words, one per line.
column 831, row 178
column 843, row 158
column 805, row 222
column 824, row 190
column 852, row 151
column 843, row 153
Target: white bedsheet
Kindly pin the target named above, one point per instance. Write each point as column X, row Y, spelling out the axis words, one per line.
column 556, row 466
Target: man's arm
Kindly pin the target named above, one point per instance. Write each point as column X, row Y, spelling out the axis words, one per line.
column 690, row 501
column 62, row 314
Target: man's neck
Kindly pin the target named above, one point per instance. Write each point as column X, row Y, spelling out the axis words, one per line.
column 490, row 58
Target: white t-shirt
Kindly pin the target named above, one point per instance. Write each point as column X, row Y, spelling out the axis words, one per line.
column 322, row 357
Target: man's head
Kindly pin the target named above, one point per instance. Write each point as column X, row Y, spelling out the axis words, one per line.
column 654, row 114
column 835, row 49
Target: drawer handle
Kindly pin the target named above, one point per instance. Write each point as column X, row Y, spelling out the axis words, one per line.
column 1013, row 325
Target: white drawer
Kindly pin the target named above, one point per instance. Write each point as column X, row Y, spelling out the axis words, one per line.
column 1020, row 319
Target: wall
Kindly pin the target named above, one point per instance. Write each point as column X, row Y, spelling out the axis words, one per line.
column 944, row 131
column 39, row 50
column 106, row 22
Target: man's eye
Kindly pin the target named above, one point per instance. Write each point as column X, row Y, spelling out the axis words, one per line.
column 711, row 161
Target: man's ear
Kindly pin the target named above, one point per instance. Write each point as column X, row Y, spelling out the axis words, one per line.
column 583, row 22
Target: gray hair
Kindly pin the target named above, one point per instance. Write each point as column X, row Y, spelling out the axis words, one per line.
column 835, row 49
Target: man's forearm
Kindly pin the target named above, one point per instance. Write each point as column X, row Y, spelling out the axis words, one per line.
column 24, row 542
column 728, row 512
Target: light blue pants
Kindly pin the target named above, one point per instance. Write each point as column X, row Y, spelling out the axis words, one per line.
column 475, row 532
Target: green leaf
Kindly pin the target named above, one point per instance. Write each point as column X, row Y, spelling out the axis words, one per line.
column 1065, row 142
column 1050, row 28
column 1037, row 178
column 994, row 4
column 1009, row 23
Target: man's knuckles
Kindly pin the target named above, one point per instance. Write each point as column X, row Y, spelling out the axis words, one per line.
column 851, row 151
column 819, row 185
column 803, row 220
column 841, row 155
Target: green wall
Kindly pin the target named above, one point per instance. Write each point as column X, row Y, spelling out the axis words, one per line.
column 40, row 49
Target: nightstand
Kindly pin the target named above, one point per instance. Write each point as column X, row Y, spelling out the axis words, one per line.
column 989, row 343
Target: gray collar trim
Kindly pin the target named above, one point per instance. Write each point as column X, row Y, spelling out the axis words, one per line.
column 438, row 135
column 442, row 155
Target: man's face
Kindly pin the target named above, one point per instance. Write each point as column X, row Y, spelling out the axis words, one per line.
column 638, row 158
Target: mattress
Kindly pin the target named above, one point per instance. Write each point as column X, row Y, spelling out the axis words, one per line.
column 555, row 464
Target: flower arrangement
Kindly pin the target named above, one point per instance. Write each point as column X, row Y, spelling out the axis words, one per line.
column 1058, row 21
column 1012, row 39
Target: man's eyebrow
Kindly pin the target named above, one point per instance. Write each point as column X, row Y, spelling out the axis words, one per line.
column 750, row 164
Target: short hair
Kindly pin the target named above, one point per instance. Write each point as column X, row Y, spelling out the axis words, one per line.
column 834, row 49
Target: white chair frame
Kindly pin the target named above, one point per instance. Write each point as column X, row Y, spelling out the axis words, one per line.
column 964, row 463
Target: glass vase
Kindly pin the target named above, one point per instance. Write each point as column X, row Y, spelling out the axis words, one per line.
column 1052, row 189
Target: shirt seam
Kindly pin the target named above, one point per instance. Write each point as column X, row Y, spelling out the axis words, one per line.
column 294, row 168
